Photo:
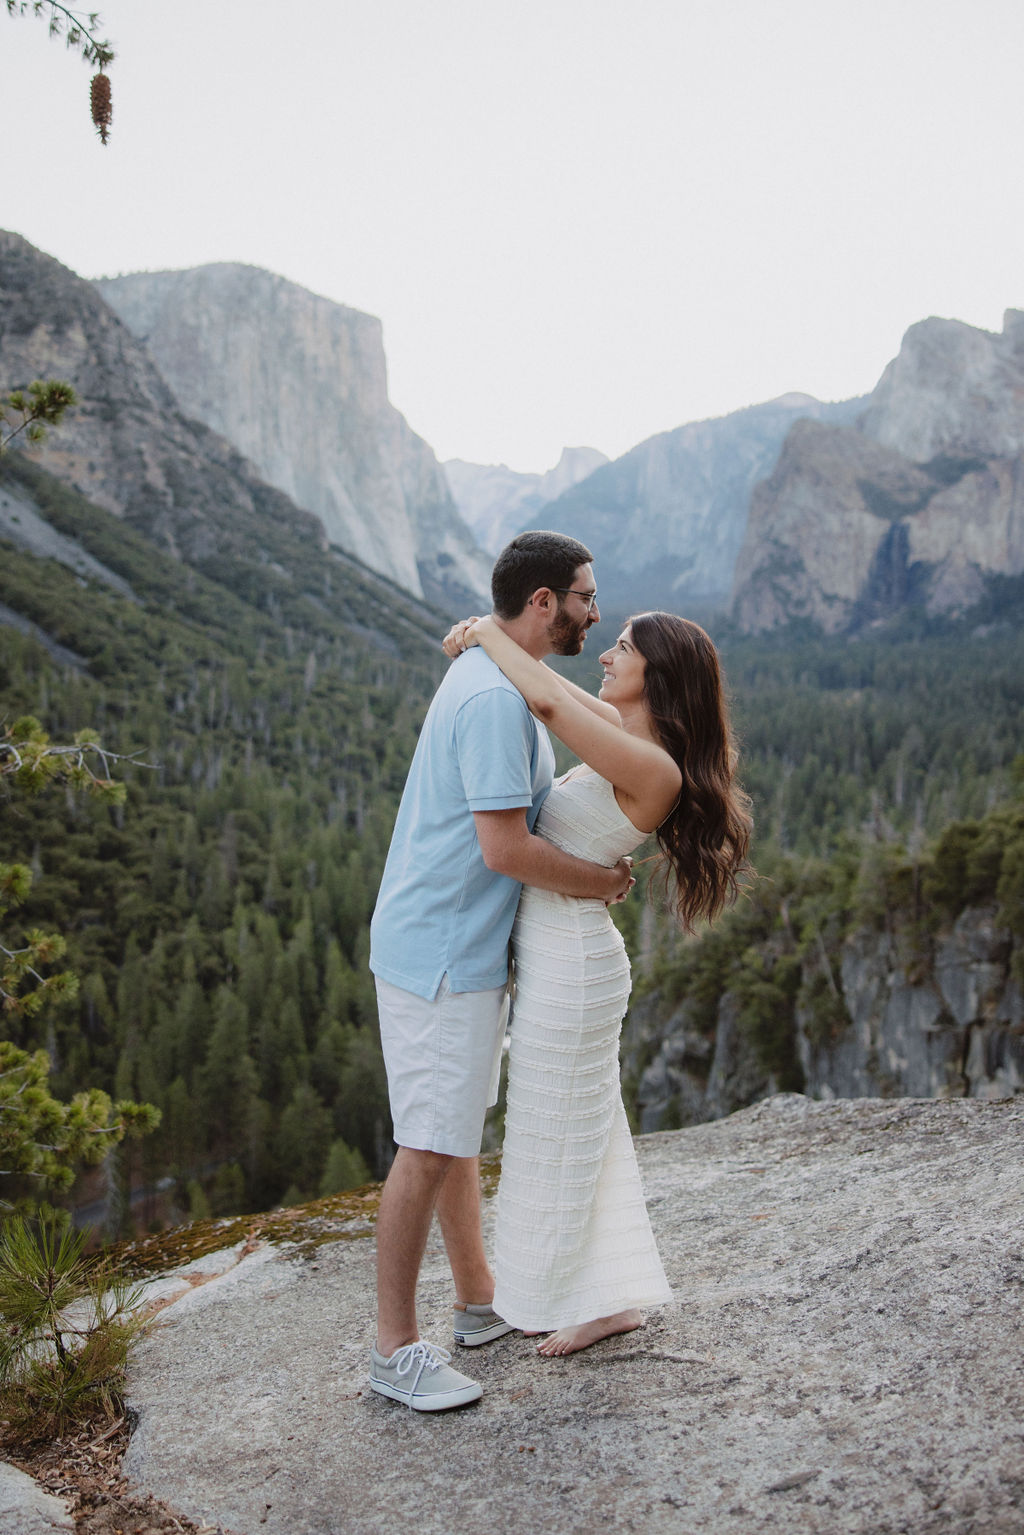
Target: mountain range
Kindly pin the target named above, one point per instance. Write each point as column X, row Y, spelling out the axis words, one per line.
column 667, row 520
column 156, row 587
column 223, row 394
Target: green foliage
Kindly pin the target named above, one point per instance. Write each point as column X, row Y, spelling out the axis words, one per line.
column 345, row 1169
column 42, row 405
column 218, row 918
column 779, row 953
column 765, row 985
column 42, row 1138
column 945, row 882
column 30, row 762
column 887, row 737
column 978, row 863
column 68, row 1324
column 824, row 1013
column 23, row 990
column 75, row 27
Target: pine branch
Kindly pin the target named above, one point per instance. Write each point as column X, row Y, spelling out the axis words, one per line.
column 77, row 33
column 30, row 761
column 43, row 405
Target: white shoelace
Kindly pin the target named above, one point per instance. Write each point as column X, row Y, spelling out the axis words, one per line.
column 428, row 1356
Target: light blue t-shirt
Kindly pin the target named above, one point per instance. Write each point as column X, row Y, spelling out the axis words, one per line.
column 440, row 909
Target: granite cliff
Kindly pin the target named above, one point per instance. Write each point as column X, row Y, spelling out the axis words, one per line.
column 127, row 446
column 666, row 520
column 889, row 1016
column 921, row 500
column 953, row 390
column 298, row 384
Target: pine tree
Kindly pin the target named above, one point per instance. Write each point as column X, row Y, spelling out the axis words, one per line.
column 345, row 1169
column 42, row 1139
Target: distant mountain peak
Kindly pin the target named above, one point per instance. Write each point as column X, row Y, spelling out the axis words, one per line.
column 794, row 400
column 917, row 502
column 952, row 389
column 497, row 502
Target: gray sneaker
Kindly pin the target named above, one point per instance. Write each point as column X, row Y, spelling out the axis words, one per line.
column 419, row 1375
column 478, row 1324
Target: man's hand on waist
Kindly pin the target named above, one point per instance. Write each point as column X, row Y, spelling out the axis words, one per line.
column 622, row 881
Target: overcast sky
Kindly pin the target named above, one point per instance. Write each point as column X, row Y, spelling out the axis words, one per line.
column 580, row 221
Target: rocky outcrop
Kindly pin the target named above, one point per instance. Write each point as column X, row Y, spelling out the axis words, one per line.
column 22, row 524
column 939, row 1018
column 126, row 445
column 817, row 525
column 845, row 1356
column 298, row 384
column 497, row 502
column 920, row 502
column 666, row 521
column 26, row 1509
column 949, row 1027
column 953, row 390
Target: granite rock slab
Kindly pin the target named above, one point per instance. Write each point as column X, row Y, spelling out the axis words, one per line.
column 844, row 1358
column 25, row 1509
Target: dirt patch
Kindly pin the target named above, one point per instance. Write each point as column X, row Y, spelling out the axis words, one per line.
column 84, row 1469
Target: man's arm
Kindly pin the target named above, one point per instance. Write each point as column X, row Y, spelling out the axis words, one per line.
column 509, row 847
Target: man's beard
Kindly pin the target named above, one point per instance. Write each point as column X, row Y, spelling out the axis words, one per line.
column 565, row 635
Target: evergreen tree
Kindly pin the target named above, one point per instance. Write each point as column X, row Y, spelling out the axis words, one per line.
column 345, row 1169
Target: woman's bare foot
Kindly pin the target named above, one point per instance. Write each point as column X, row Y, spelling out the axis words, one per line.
column 568, row 1340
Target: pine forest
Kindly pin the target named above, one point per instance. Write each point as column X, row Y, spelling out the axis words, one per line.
column 217, row 919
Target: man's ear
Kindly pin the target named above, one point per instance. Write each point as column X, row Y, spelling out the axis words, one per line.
column 542, row 600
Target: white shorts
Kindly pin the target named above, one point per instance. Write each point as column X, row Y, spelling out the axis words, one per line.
column 443, row 1061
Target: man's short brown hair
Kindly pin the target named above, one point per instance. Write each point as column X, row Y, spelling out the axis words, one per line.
column 532, row 560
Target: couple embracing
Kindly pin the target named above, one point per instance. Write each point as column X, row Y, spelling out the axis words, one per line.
column 486, row 847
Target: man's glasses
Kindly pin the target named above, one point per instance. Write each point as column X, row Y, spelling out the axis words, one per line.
column 570, row 591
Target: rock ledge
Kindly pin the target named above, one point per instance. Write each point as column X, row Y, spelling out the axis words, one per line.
column 845, row 1356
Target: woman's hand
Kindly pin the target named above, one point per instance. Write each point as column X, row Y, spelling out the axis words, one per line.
column 456, row 641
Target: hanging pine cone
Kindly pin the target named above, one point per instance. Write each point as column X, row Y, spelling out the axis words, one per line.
column 102, row 110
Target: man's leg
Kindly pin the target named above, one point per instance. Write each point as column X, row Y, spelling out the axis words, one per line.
column 441, row 1058
column 403, row 1224
column 458, row 1211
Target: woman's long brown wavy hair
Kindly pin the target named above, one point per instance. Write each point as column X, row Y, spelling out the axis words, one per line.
column 706, row 836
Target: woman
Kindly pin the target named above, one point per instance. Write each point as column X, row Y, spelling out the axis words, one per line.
column 574, row 1252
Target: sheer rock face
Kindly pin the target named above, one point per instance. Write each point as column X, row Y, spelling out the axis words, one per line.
column 941, row 1022
column 814, row 530
column 298, row 384
column 667, row 520
column 921, row 501
column 497, row 502
column 126, row 445
column 952, row 390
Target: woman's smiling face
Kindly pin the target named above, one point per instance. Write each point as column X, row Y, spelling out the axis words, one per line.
column 624, row 669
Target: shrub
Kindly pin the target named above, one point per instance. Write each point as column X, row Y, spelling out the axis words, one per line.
column 68, row 1324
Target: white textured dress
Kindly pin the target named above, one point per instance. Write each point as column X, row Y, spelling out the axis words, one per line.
column 573, row 1239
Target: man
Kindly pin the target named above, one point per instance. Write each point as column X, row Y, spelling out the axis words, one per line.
column 461, row 849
